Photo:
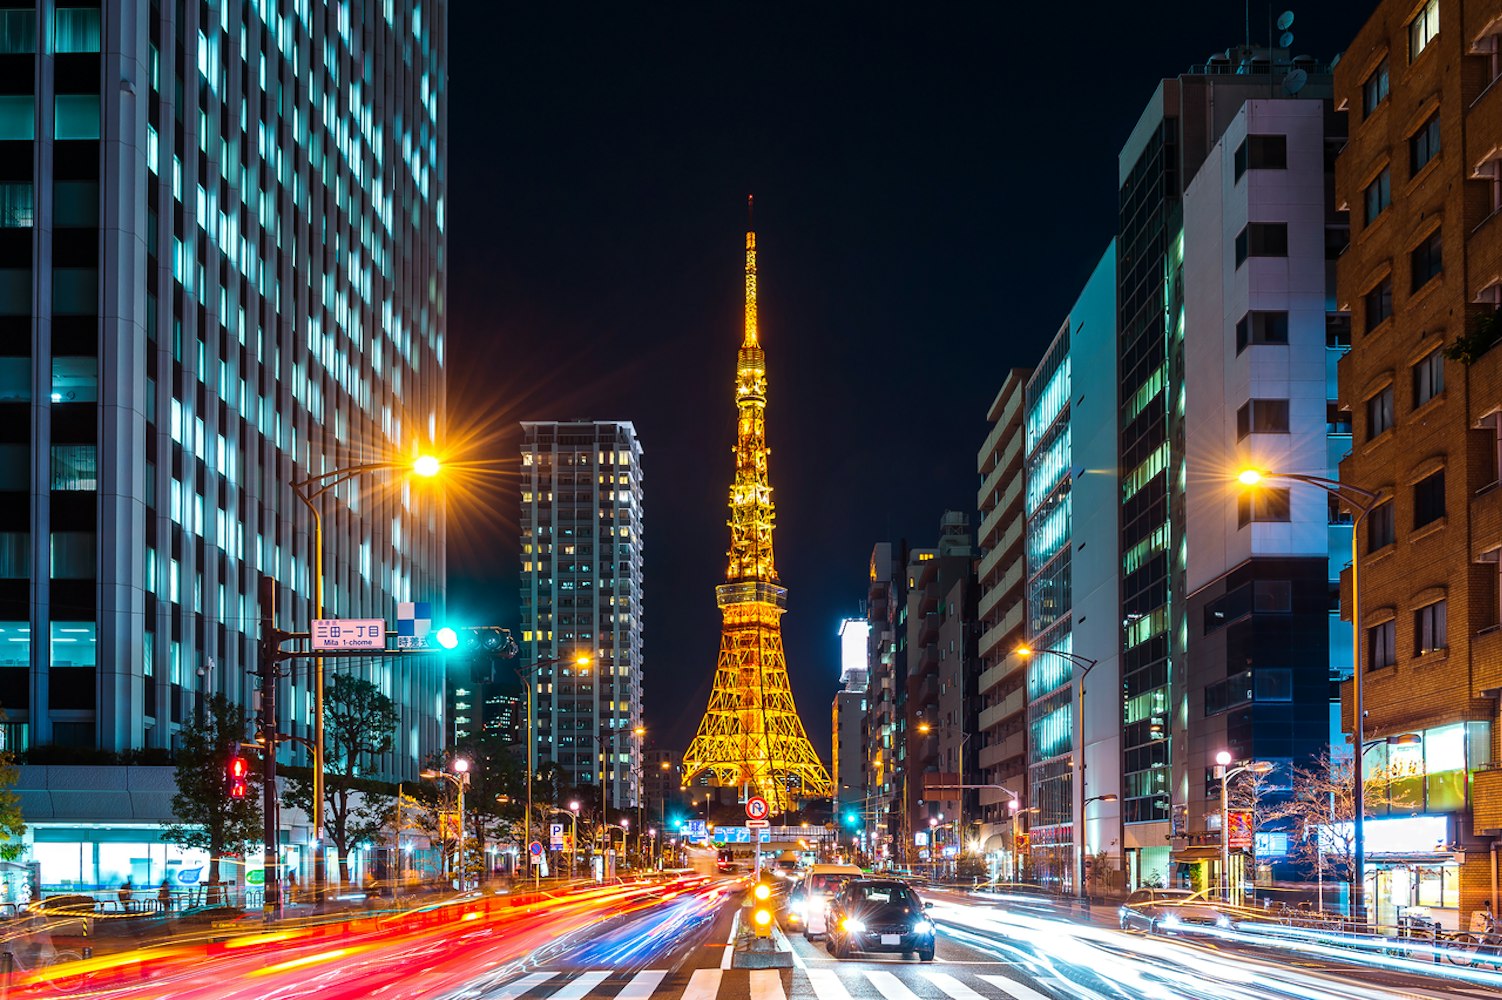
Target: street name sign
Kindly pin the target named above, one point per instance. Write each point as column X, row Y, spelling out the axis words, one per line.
column 349, row 633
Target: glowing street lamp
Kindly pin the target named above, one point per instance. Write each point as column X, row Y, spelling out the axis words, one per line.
column 1225, row 773
column 1363, row 501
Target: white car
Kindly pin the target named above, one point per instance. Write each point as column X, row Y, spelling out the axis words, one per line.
column 808, row 900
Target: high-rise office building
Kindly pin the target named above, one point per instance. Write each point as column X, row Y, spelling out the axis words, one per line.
column 581, row 597
column 221, row 272
column 1422, row 279
column 1071, row 585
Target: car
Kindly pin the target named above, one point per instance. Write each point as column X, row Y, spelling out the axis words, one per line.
column 1172, row 910
column 870, row 914
column 807, row 901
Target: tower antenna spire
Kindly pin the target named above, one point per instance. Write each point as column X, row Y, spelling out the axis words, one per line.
column 751, row 332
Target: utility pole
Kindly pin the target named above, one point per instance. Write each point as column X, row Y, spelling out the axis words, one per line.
column 271, row 882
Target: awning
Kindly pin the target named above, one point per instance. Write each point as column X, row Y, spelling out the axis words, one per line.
column 1187, row 854
column 995, row 842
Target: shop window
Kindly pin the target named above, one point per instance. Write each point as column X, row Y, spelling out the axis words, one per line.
column 1381, row 645
column 76, row 116
column 75, row 380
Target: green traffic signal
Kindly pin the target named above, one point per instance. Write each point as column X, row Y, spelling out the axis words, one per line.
column 446, row 637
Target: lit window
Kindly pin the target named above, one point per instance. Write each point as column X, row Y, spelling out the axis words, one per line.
column 16, row 205
column 17, row 116
column 76, row 29
column 1429, row 628
column 75, row 467
column 1422, row 29
column 1381, row 645
column 76, row 116
column 18, row 30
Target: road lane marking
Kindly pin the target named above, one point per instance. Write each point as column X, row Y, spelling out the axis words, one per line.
column 704, row 984
column 890, row 986
column 1013, row 988
column 952, row 986
column 526, row 983
column 827, row 984
column 642, row 985
column 766, row 984
column 729, row 953
column 578, row 988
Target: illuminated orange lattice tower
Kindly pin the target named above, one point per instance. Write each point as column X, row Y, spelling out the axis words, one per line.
column 751, row 736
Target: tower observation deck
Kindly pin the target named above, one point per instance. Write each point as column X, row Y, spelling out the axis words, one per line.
column 751, row 736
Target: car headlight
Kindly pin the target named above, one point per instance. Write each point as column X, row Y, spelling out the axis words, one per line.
column 923, row 927
column 1171, row 920
column 796, row 913
column 1223, row 922
column 852, row 925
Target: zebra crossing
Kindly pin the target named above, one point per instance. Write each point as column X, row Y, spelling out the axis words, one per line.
column 901, row 982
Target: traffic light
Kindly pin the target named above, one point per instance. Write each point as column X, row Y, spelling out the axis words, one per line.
column 481, row 645
column 237, row 772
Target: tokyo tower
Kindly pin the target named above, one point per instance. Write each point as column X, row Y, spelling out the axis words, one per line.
column 751, row 736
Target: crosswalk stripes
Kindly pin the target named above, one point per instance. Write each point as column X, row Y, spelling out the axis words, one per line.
column 522, row 986
column 952, row 986
column 766, row 984
column 889, row 985
column 1012, row 988
column 827, row 984
column 641, row 985
column 704, row 984
column 578, row 988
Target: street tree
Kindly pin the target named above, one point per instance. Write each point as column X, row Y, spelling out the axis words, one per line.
column 359, row 723
column 11, row 826
column 1322, row 811
column 207, row 816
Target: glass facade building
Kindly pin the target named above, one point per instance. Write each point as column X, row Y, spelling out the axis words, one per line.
column 581, row 595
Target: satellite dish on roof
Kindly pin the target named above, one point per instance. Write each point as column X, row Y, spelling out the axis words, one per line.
column 1285, row 20
column 1285, row 41
column 1294, row 82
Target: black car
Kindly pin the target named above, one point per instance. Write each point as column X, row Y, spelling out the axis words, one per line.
column 870, row 914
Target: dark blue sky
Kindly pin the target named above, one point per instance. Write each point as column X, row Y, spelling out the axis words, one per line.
column 933, row 184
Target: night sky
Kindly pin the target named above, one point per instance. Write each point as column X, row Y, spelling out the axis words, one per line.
column 933, row 185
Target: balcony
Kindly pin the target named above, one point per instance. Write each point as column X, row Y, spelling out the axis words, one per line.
column 993, row 676
column 988, row 563
column 1012, row 746
column 1009, row 706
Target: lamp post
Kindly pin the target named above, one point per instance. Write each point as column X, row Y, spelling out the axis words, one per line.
column 959, row 820
column 1225, row 773
column 459, row 779
column 573, row 844
column 1084, row 664
column 308, row 490
column 1363, row 501
column 525, row 675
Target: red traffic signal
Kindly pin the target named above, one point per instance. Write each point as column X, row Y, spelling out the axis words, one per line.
column 237, row 772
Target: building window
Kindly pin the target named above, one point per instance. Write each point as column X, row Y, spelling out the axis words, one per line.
column 1262, row 505
column 1426, row 261
column 77, row 116
column 17, row 207
column 75, row 467
column 1261, row 328
column 18, row 116
column 18, row 31
column 1262, row 239
column 15, row 555
column 1374, row 90
column 1337, row 329
column 1273, row 684
column 1378, row 195
column 1379, row 304
column 1429, row 628
column 76, row 29
column 1379, row 413
column 75, row 204
column 1428, row 377
column 1261, row 152
column 1262, row 416
column 73, row 555
column 75, row 291
column 1422, row 29
column 75, row 379
column 1381, row 527
column 1423, row 145
column 73, row 644
column 1381, row 645
column 1429, row 499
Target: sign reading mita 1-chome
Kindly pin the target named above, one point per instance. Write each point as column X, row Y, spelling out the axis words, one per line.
column 348, row 633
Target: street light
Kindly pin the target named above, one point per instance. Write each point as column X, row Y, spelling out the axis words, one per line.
column 525, row 675
column 308, row 490
column 1225, row 773
column 573, row 847
column 1085, row 665
column 959, row 820
column 460, row 780
column 1363, row 501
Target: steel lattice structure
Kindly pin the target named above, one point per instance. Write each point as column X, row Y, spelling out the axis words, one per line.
column 751, row 736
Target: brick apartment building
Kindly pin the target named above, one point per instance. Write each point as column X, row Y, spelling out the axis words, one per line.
column 1421, row 280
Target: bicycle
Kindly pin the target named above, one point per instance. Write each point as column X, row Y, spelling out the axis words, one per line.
column 44, row 957
column 1466, row 949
